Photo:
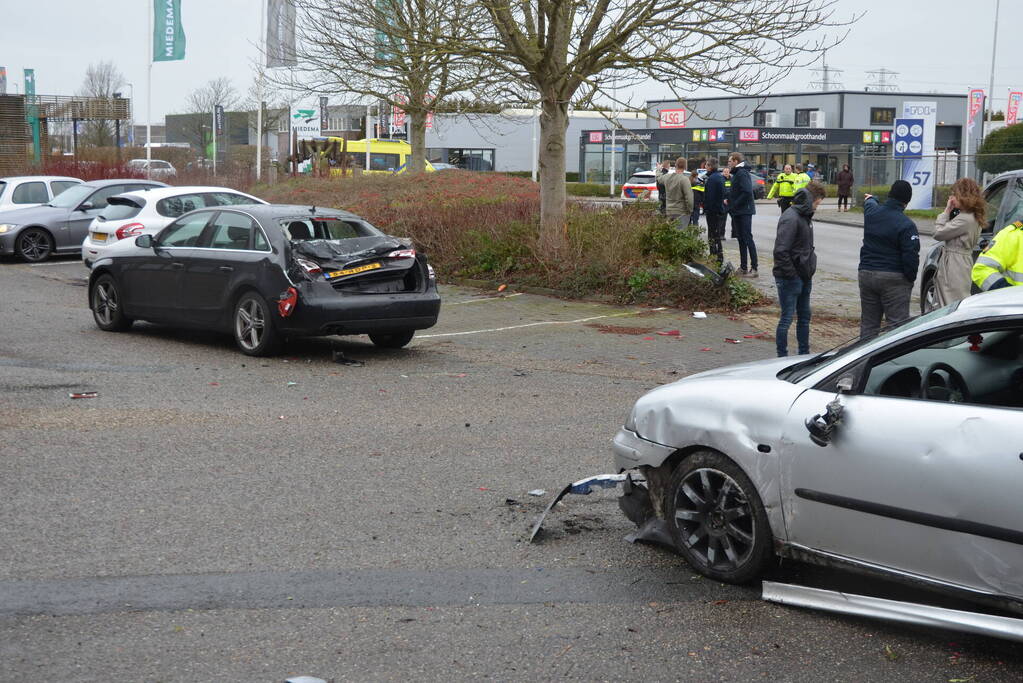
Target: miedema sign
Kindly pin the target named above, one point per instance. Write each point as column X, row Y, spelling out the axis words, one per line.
column 168, row 34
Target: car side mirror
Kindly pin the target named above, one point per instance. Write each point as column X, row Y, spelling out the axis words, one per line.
column 144, row 241
column 85, row 206
column 821, row 426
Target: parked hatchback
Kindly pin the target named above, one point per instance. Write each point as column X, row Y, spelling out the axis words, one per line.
column 268, row 272
column 59, row 227
column 149, row 211
column 22, row 192
column 158, row 167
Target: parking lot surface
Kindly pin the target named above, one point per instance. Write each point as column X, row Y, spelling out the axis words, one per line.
column 210, row 516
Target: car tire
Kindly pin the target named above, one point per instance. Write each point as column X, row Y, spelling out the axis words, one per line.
column 928, row 294
column 254, row 330
column 728, row 538
column 394, row 340
column 106, row 301
column 33, row 245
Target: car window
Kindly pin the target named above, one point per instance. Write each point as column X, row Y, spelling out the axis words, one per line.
column 993, row 197
column 186, row 232
column 327, row 229
column 181, row 204
column 119, row 212
column 383, row 162
column 640, row 180
column 73, row 196
column 99, row 197
column 1014, row 206
column 3, row 186
column 30, row 193
column 230, row 230
column 58, row 186
column 977, row 366
column 227, row 198
column 259, row 242
column 160, row 164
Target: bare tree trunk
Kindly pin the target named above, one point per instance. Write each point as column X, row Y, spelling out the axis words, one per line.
column 553, row 127
column 417, row 138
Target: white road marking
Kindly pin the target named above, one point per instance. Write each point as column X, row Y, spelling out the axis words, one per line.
column 489, row 298
column 546, row 322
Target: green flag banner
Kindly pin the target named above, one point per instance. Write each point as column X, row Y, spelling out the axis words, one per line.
column 168, row 34
column 32, row 112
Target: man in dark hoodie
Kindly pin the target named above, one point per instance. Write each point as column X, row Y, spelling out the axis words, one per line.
column 714, row 209
column 889, row 260
column 742, row 208
column 794, row 265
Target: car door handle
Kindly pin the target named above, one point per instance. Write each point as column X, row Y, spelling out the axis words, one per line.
column 177, row 265
column 225, row 269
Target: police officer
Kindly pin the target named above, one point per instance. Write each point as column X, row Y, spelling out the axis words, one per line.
column 801, row 180
column 697, row 180
column 784, row 187
column 1001, row 263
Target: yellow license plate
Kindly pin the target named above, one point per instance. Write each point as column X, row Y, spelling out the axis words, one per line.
column 99, row 237
column 353, row 271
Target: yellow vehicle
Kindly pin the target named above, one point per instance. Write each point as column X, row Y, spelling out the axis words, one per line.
column 385, row 156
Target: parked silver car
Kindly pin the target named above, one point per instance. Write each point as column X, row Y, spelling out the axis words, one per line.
column 59, row 227
column 158, row 168
column 899, row 455
column 21, row 192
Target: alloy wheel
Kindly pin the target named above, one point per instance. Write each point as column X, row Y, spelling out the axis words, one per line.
column 715, row 519
column 104, row 302
column 250, row 324
column 34, row 245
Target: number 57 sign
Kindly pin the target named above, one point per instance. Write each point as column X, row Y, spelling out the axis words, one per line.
column 673, row 118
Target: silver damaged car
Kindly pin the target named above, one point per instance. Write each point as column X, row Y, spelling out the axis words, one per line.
column 899, row 456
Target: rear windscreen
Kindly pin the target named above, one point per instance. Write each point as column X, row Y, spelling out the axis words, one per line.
column 119, row 212
column 327, row 229
column 640, row 180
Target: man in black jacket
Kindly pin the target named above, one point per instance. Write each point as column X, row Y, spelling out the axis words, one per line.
column 889, row 260
column 714, row 209
column 742, row 208
column 794, row 266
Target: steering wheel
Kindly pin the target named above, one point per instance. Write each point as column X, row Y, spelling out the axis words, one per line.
column 933, row 386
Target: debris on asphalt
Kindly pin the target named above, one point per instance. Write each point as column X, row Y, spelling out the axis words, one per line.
column 304, row 679
column 733, row 341
column 637, row 506
column 84, row 394
column 705, row 348
column 648, row 338
column 501, row 288
column 538, row 492
column 699, row 314
column 758, row 335
column 583, row 487
column 671, row 333
column 339, row 357
column 292, row 384
column 519, row 373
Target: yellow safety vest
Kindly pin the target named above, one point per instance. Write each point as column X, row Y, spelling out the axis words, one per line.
column 801, row 181
column 1002, row 259
column 784, row 185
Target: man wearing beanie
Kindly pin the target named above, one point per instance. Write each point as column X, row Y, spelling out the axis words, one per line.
column 889, row 260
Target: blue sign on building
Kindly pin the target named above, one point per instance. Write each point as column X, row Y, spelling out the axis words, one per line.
column 909, row 138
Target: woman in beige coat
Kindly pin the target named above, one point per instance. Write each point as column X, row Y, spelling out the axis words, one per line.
column 959, row 228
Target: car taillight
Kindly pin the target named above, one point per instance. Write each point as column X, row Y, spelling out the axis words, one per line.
column 286, row 304
column 402, row 253
column 129, row 230
column 309, row 267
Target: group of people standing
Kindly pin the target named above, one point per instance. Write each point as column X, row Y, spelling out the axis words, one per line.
column 889, row 257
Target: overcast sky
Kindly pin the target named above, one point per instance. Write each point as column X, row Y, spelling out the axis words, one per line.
column 934, row 45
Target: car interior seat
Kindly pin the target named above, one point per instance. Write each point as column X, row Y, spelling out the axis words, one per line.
column 299, row 230
column 187, row 205
column 904, row 383
column 239, row 237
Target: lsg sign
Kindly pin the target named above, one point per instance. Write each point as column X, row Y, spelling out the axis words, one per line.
column 673, row 118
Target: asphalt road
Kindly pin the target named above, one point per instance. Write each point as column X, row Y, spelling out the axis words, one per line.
column 215, row 517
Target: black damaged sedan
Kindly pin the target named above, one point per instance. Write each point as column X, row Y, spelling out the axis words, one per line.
column 266, row 273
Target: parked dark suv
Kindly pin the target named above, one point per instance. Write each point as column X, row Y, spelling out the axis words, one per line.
column 1004, row 196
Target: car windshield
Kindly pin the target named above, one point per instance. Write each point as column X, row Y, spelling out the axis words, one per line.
column 72, row 197
column 795, row 373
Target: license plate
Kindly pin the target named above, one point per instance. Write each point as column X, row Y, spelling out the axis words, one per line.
column 352, row 271
column 99, row 237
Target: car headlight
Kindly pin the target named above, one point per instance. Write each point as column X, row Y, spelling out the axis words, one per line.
column 630, row 421
column 7, row 227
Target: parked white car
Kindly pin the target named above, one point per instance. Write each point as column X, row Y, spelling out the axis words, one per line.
column 159, row 169
column 146, row 212
column 21, row 192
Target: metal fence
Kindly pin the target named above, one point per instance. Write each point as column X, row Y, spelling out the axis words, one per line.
column 876, row 173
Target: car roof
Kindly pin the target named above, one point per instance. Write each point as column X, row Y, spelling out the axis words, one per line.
column 122, row 181
column 996, row 302
column 157, row 193
column 295, row 211
column 17, row 178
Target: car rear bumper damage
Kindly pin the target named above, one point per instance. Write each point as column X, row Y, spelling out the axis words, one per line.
column 363, row 313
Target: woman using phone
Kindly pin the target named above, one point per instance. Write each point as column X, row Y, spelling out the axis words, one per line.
column 959, row 228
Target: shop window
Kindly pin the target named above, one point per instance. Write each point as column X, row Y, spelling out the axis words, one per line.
column 760, row 117
column 472, row 159
column 882, row 116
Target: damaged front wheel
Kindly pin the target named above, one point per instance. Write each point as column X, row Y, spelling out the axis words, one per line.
column 254, row 330
column 717, row 519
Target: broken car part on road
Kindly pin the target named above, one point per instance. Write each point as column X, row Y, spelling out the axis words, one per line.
column 894, row 610
column 583, row 487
